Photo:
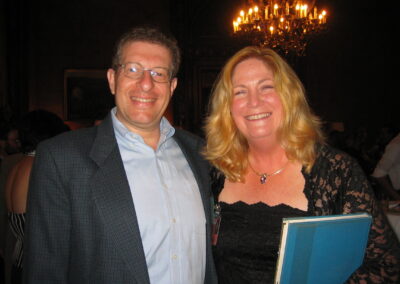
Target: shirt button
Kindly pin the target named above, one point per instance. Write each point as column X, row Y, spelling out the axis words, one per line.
column 174, row 256
column 173, row 220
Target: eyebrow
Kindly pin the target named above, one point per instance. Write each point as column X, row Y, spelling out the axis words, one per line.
column 135, row 62
column 258, row 83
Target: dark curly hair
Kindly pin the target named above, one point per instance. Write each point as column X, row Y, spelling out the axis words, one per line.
column 152, row 35
column 37, row 126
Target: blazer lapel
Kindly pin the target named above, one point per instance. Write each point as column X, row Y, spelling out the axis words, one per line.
column 202, row 177
column 113, row 197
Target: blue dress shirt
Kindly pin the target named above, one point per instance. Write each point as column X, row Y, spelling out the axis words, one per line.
column 168, row 206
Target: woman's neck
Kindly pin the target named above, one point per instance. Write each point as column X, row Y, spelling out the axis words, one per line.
column 267, row 156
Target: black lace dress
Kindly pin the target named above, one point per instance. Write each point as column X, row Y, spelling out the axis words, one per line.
column 248, row 236
column 247, row 248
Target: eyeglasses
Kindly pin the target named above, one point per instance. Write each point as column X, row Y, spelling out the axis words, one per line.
column 135, row 70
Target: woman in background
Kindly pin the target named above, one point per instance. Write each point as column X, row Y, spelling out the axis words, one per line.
column 272, row 163
column 35, row 127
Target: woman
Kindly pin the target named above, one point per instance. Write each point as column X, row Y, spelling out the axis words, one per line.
column 272, row 163
column 35, row 127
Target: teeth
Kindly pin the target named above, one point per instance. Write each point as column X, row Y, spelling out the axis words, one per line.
column 142, row 100
column 258, row 116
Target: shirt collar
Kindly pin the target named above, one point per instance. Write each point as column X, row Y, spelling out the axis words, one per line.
column 166, row 129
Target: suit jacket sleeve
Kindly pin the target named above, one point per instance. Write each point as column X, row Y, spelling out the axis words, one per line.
column 48, row 223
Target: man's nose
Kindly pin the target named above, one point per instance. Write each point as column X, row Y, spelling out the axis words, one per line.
column 146, row 81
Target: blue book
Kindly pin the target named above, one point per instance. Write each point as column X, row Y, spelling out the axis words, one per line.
column 321, row 249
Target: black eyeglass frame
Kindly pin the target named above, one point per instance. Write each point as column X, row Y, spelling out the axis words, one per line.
column 142, row 69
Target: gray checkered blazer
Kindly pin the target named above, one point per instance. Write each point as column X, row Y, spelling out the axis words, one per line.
column 81, row 222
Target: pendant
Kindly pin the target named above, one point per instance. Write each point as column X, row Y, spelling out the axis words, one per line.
column 263, row 178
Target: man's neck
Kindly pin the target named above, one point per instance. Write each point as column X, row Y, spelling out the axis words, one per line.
column 151, row 137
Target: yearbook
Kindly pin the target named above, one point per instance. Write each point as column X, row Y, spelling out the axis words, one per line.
column 321, row 249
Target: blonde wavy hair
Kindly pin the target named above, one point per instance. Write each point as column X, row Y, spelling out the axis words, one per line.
column 299, row 132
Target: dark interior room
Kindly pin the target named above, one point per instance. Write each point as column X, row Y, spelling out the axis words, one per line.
column 47, row 46
column 102, row 160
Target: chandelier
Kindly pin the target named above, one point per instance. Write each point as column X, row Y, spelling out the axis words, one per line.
column 284, row 25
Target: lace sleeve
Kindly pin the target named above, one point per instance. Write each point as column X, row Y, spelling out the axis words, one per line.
column 382, row 257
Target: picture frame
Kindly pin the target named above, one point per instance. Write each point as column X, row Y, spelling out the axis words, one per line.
column 87, row 96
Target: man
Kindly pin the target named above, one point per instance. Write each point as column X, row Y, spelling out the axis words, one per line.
column 387, row 171
column 126, row 201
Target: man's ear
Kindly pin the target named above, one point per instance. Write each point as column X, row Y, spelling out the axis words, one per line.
column 111, row 80
column 174, row 82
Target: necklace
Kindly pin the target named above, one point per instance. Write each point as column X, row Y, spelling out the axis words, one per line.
column 264, row 176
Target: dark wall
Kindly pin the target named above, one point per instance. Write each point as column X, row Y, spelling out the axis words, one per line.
column 59, row 35
column 343, row 71
column 3, row 78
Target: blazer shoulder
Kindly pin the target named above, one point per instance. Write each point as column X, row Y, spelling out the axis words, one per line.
column 192, row 147
column 188, row 138
column 73, row 139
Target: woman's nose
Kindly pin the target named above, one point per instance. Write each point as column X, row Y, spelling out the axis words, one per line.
column 253, row 99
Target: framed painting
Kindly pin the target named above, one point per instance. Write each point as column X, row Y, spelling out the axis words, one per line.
column 86, row 94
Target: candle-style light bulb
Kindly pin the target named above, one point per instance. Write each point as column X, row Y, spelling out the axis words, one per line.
column 323, row 16
column 234, row 26
column 252, row 15
column 281, row 20
column 244, row 16
column 241, row 13
column 276, row 9
column 256, row 17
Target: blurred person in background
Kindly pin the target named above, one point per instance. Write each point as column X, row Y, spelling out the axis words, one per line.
column 35, row 127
